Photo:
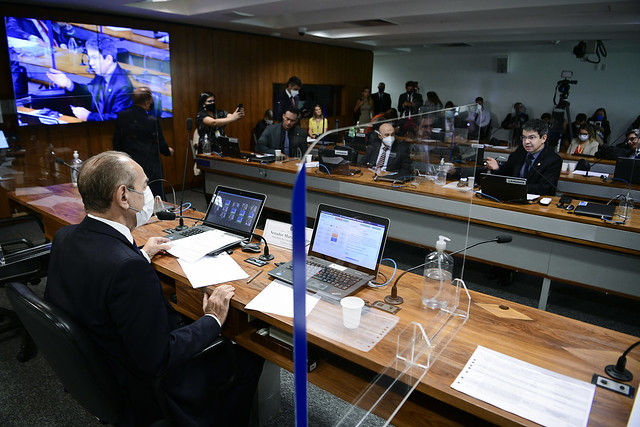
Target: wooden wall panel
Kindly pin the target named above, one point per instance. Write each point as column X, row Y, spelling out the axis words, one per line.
column 237, row 67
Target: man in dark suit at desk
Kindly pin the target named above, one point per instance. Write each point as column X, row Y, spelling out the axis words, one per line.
column 110, row 90
column 286, row 136
column 387, row 154
column 100, row 278
column 533, row 160
column 139, row 134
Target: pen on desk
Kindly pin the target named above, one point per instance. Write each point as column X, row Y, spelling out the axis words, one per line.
column 254, row 276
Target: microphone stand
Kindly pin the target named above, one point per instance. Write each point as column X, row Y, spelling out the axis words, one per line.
column 395, row 299
column 266, row 256
column 619, row 371
column 181, row 226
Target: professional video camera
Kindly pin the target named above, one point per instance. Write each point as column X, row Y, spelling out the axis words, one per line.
column 561, row 111
column 564, row 85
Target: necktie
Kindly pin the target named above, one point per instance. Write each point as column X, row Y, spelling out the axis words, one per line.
column 286, row 143
column 527, row 165
column 136, row 248
column 293, row 102
column 382, row 158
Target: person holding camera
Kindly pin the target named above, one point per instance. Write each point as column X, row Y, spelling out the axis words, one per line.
column 364, row 107
column 601, row 124
column 211, row 122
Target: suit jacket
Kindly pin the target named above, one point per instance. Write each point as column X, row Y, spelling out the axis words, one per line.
column 140, row 135
column 543, row 174
column 281, row 102
column 381, row 104
column 417, row 101
column 273, row 139
column 98, row 278
column 399, row 156
column 105, row 102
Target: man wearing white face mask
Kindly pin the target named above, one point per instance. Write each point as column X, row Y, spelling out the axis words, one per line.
column 386, row 154
column 290, row 97
column 99, row 277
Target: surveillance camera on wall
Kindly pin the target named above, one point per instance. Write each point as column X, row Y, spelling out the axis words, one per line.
column 302, row 31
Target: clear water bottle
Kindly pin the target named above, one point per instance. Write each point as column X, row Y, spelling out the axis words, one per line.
column 76, row 163
column 438, row 273
column 441, row 176
column 206, row 145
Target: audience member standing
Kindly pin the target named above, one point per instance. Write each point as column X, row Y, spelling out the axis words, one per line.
column 479, row 121
column 364, row 107
column 410, row 101
column 290, row 97
column 210, row 121
column 433, row 103
column 514, row 121
column 139, row 134
column 381, row 100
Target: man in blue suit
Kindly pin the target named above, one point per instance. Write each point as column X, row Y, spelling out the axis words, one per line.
column 110, row 90
column 100, row 277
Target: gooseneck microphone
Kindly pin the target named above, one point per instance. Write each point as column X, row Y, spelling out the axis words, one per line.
column 62, row 162
column 170, row 216
column 184, row 173
column 266, row 256
column 395, row 299
column 619, row 371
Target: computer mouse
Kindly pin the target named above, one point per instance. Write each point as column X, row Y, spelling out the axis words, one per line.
column 251, row 247
column 545, row 201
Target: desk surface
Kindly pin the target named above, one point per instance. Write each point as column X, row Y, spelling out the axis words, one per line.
column 563, row 345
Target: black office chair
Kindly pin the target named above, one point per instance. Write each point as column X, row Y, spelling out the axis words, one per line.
column 77, row 361
column 21, row 260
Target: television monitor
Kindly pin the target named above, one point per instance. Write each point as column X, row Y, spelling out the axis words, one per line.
column 69, row 72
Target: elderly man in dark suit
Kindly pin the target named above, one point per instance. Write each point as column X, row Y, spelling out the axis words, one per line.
column 139, row 134
column 110, row 90
column 386, row 154
column 533, row 160
column 100, row 278
column 381, row 100
column 286, row 136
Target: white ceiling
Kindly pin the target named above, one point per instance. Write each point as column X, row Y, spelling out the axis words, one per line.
column 497, row 26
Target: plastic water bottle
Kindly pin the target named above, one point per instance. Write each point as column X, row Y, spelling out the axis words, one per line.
column 206, row 145
column 76, row 163
column 441, row 176
column 438, row 272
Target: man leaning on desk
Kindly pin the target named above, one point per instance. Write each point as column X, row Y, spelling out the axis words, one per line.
column 286, row 136
column 533, row 160
column 101, row 279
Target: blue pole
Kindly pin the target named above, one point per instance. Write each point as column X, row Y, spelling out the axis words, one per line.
column 299, row 222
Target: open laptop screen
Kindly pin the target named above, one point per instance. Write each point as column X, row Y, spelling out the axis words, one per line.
column 349, row 238
column 235, row 210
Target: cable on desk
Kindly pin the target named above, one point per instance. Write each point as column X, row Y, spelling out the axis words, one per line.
column 480, row 193
column 318, row 170
column 185, row 206
column 395, row 269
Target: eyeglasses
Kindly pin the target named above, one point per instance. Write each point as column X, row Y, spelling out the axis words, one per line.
column 529, row 138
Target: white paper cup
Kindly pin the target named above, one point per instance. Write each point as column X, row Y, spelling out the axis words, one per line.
column 309, row 158
column 351, row 311
column 278, row 154
column 471, row 181
column 565, row 166
column 572, row 166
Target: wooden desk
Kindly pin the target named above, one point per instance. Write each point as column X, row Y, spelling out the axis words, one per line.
column 563, row 345
column 547, row 241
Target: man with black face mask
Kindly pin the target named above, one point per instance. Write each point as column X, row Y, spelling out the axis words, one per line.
column 381, row 100
column 410, row 101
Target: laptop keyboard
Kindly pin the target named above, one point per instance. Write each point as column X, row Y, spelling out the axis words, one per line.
column 191, row 232
column 331, row 276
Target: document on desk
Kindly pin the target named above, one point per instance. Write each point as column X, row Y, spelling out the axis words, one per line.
column 212, row 270
column 277, row 298
column 589, row 173
column 531, row 392
column 193, row 248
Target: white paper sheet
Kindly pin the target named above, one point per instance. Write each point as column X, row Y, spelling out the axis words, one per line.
column 192, row 248
column 211, row 270
column 277, row 298
column 584, row 173
column 531, row 392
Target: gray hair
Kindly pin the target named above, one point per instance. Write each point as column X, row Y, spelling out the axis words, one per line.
column 101, row 175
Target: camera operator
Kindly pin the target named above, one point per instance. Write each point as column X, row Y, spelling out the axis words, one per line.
column 515, row 120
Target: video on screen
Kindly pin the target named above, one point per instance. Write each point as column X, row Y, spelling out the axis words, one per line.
column 66, row 72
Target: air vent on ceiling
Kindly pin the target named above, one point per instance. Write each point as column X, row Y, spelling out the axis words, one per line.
column 372, row 23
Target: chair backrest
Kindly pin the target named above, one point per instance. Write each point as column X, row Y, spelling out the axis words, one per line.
column 76, row 360
column 24, row 265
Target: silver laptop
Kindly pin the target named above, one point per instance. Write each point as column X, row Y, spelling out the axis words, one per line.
column 232, row 212
column 344, row 253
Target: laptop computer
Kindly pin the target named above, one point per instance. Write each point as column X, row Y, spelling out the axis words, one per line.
column 231, row 148
column 337, row 160
column 627, row 169
column 595, row 210
column 504, row 188
column 344, row 253
column 233, row 213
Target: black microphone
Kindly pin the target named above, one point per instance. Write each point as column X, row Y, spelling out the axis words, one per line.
column 619, row 371
column 584, row 165
column 170, row 216
column 62, row 162
column 266, row 256
column 184, row 173
column 394, row 299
